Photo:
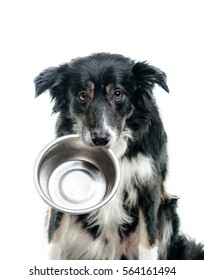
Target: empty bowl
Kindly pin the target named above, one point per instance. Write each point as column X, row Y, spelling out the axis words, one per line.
column 76, row 178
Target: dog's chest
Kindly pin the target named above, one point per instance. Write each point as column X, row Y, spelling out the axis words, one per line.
column 114, row 241
column 108, row 244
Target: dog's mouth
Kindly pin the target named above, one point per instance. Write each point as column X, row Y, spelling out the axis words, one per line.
column 115, row 140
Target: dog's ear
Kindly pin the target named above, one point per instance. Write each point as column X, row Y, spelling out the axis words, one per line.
column 46, row 80
column 147, row 76
column 54, row 79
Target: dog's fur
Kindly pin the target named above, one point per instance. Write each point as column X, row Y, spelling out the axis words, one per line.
column 108, row 100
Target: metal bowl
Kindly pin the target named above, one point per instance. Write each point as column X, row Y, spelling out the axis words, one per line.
column 76, row 178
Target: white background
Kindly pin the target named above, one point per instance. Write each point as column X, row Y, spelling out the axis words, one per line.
column 38, row 34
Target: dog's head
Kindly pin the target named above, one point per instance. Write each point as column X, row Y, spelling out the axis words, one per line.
column 100, row 93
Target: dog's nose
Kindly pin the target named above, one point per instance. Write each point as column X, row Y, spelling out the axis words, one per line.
column 100, row 139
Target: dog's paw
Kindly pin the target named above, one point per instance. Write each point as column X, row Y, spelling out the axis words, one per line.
column 147, row 253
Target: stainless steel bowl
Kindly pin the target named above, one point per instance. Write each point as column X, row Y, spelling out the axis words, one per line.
column 76, row 178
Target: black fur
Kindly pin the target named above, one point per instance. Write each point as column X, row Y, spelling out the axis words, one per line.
column 86, row 90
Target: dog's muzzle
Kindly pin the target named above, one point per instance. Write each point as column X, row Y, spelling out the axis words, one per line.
column 100, row 138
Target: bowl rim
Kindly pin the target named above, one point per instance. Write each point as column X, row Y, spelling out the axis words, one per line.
column 79, row 211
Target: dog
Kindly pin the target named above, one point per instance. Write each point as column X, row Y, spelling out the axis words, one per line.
column 108, row 100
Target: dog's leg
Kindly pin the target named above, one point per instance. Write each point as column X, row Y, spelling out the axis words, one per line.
column 54, row 228
column 148, row 227
column 147, row 251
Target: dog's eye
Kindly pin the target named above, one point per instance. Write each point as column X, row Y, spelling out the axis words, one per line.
column 118, row 95
column 82, row 96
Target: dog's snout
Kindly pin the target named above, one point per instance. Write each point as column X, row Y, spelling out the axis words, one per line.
column 100, row 139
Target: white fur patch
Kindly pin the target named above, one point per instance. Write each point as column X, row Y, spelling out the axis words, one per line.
column 147, row 253
column 121, row 145
column 137, row 171
column 144, row 167
column 140, row 169
column 112, row 132
column 54, row 251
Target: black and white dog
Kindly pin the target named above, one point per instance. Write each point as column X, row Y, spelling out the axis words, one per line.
column 108, row 100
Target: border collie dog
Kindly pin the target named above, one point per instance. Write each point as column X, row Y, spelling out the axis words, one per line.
column 108, row 100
